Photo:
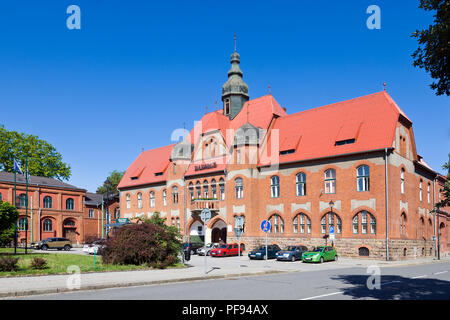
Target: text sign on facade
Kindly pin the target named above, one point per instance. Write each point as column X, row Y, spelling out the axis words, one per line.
column 205, row 166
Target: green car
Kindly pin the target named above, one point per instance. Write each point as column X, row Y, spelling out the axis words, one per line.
column 320, row 254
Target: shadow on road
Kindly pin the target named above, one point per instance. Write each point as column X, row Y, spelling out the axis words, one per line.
column 395, row 288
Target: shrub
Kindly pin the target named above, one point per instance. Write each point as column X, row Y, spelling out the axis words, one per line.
column 39, row 263
column 8, row 263
column 154, row 244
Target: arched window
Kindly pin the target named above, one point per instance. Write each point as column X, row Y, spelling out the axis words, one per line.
column 70, row 204
column 139, row 200
column 178, row 224
column 152, row 198
column 362, row 178
column 22, row 200
column 198, row 188
column 302, row 223
column 276, row 224
column 275, row 187
column 69, row 223
column 363, row 252
column 421, row 228
column 331, row 219
column 22, row 224
column 48, row 202
column 402, row 181
column 205, row 189
column 428, row 193
column 403, row 224
column 330, row 181
column 361, row 222
column 175, row 194
column 165, row 197
column 48, row 225
column 301, row 184
column 191, row 190
column 222, row 189
column 128, row 201
column 239, row 188
column 214, row 189
column 420, row 190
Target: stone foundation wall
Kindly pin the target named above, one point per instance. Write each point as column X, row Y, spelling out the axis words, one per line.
column 350, row 247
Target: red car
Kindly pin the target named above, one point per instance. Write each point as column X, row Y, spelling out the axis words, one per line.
column 225, row 250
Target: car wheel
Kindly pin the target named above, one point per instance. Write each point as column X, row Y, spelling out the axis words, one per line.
column 44, row 247
column 321, row 259
column 67, row 247
column 335, row 258
column 293, row 259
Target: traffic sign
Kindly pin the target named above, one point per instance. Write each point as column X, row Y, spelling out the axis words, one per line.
column 205, row 215
column 265, row 225
column 331, row 230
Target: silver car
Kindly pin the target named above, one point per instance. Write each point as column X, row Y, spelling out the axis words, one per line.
column 209, row 247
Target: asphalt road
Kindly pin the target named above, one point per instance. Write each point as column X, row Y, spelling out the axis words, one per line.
column 427, row 281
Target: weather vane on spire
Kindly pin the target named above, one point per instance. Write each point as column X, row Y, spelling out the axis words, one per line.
column 235, row 42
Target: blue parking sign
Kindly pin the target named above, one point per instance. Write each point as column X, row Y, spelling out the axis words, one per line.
column 331, row 229
column 265, row 225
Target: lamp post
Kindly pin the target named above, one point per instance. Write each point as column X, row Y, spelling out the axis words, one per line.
column 108, row 187
column 331, row 203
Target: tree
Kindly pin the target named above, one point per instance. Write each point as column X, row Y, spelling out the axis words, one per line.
column 445, row 200
column 111, row 186
column 43, row 159
column 8, row 217
column 433, row 53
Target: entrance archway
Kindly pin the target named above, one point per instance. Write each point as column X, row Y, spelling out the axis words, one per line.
column 219, row 232
column 70, row 230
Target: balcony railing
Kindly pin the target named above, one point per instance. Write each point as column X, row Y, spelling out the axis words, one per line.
column 202, row 203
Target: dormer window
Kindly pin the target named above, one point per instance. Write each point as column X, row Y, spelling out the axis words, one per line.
column 342, row 142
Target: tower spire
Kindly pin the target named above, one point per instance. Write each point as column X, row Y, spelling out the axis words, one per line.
column 235, row 38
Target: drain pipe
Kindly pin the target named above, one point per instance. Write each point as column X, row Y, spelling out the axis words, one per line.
column 387, row 201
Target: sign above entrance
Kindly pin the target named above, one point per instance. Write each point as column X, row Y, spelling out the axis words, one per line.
column 205, row 215
column 205, row 166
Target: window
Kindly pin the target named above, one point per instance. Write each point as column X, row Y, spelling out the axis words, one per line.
column 420, row 190
column 152, row 198
column 421, row 226
column 301, row 184
column 69, row 223
column 128, row 201
column 174, row 168
column 22, row 224
column 139, row 200
column 222, row 189
column 227, row 106
column 402, row 181
column 428, row 193
column 91, row 213
column 178, row 224
column 403, row 224
column 238, row 156
column 302, row 223
column 205, row 189
column 48, row 225
column 175, row 194
column 275, row 187
column 48, row 203
column 330, row 181
column 239, row 187
column 331, row 219
column 276, row 224
column 70, row 204
column 214, row 189
column 199, row 190
column 165, row 197
column 363, row 252
column 116, row 213
column 191, row 191
column 362, row 179
column 362, row 221
column 22, row 200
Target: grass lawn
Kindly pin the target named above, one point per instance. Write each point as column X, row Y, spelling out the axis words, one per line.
column 58, row 263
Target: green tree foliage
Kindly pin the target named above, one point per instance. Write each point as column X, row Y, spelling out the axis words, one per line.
column 445, row 200
column 111, row 183
column 8, row 217
column 433, row 53
column 43, row 159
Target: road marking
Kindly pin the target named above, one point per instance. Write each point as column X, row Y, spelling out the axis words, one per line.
column 418, row 277
column 441, row 272
column 323, row 295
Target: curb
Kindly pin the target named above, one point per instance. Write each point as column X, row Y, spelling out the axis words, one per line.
column 133, row 284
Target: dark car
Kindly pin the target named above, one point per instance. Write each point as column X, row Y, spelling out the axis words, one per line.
column 291, row 253
column 54, row 243
column 192, row 246
column 260, row 253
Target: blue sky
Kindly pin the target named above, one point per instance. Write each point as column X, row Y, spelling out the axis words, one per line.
column 138, row 69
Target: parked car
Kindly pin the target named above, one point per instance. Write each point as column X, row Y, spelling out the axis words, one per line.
column 291, row 253
column 320, row 254
column 54, row 243
column 92, row 248
column 192, row 246
column 209, row 247
column 260, row 253
column 226, row 250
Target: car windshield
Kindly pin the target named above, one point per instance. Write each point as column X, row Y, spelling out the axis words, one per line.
column 319, row 249
column 223, row 246
column 261, row 248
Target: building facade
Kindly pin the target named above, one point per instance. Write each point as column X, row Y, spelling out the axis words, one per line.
column 351, row 165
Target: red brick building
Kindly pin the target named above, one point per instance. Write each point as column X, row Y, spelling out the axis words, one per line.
column 55, row 208
column 352, row 165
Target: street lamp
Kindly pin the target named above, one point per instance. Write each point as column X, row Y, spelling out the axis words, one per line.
column 108, row 216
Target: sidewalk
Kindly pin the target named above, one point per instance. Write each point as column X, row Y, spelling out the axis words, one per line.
column 218, row 268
